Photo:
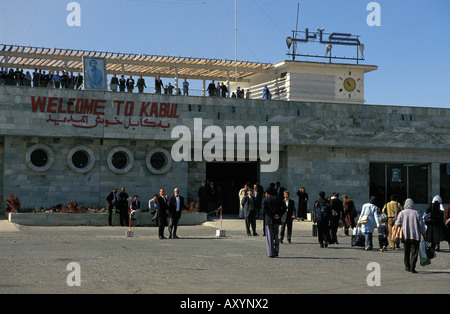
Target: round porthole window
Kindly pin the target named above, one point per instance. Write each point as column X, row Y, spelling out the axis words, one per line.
column 158, row 161
column 81, row 159
column 120, row 160
column 39, row 157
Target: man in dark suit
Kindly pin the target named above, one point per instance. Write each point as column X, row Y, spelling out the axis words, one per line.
column 111, row 202
column 212, row 89
column 273, row 207
column 248, row 205
column 203, row 197
column 124, row 206
column 287, row 218
column 79, row 81
column 337, row 210
column 158, row 84
column 280, row 190
column 176, row 205
column 258, row 193
column 163, row 211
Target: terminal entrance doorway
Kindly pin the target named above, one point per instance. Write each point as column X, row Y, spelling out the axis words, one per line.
column 228, row 179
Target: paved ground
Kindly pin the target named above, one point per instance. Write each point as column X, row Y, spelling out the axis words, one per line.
column 35, row 259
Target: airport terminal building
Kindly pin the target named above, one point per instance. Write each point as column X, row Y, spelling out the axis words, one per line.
column 58, row 145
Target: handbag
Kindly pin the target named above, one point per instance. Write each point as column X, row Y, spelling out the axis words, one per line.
column 430, row 251
column 364, row 219
column 397, row 233
column 314, row 230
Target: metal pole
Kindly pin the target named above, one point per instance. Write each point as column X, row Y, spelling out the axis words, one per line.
column 235, row 41
column 357, row 54
column 295, row 34
column 228, row 84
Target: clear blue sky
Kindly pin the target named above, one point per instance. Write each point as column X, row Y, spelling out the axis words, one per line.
column 411, row 47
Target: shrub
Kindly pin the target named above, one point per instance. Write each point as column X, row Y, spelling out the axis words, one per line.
column 13, row 203
column 74, row 207
column 193, row 208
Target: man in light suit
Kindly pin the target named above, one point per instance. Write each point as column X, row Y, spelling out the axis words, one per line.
column 274, row 208
column 176, row 205
column 249, row 207
column 287, row 218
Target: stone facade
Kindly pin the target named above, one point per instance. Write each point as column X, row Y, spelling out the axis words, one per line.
column 323, row 146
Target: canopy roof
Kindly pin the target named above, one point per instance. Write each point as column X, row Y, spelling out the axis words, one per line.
column 70, row 60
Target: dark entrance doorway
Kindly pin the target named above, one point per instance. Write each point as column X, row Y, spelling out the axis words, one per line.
column 229, row 178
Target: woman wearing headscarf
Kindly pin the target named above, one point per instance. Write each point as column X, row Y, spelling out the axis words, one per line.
column 368, row 220
column 447, row 225
column 412, row 228
column 435, row 224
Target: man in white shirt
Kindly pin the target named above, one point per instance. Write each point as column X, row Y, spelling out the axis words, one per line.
column 176, row 205
column 153, row 208
column 242, row 193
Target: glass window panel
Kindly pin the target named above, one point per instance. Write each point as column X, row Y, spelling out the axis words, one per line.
column 377, row 183
column 445, row 183
column 418, row 183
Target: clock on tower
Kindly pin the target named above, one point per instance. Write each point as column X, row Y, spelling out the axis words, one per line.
column 349, row 85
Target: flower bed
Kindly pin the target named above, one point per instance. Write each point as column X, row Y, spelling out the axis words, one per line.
column 74, row 214
column 59, row 210
column 97, row 219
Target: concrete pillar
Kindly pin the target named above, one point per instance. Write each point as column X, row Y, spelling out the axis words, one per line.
column 5, row 64
column 435, row 181
column 176, row 79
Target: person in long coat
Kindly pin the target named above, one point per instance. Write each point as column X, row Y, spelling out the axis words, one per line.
column 412, row 228
column 447, row 225
column 302, row 204
column 123, row 205
column 273, row 208
column 435, row 226
column 203, row 197
column 349, row 214
column 367, row 227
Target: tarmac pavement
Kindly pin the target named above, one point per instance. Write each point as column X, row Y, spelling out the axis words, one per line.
column 37, row 260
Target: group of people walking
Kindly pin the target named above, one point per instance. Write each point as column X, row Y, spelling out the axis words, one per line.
column 433, row 225
column 327, row 213
column 166, row 209
column 279, row 212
